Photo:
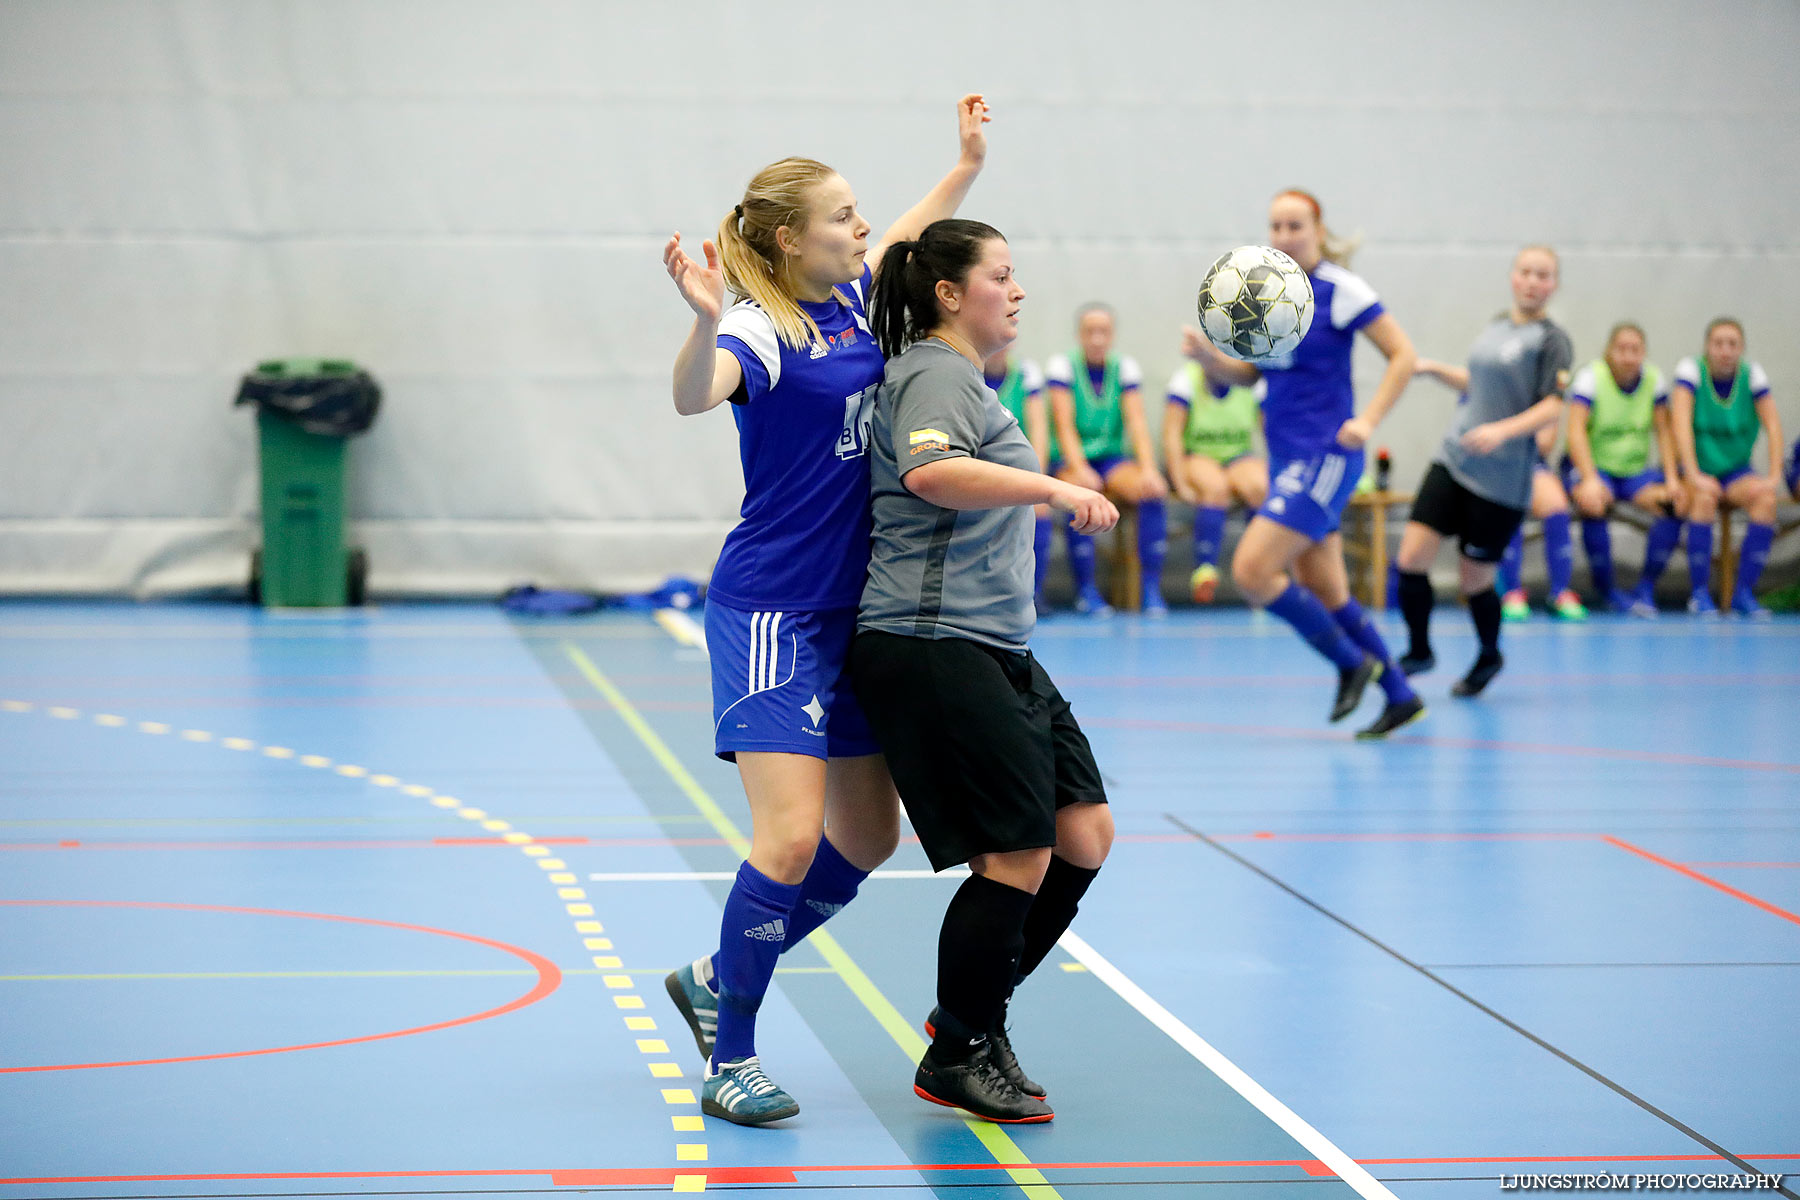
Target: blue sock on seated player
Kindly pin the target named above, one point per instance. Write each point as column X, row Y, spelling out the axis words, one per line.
column 1596, row 539
column 1040, row 546
column 1659, row 547
column 750, row 940
column 1752, row 554
column 1511, row 562
column 1153, row 547
column 1699, row 548
column 1360, row 630
column 1301, row 609
column 1559, row 554
column 1081, row 564
column 1209, row 533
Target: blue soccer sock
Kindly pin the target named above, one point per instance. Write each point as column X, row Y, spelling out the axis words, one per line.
column 1751, row 556
column 1209, row 535
column 1081, row 558
column 1356, row 625
column 750, row 940
column 1664, row 536
column 1596, row 539
column 1153, row 542
column 830, row 883
column 1699, row 548
column 1510, row 562
column 1040, row 548
column 1301, row 609
column 1559, row 554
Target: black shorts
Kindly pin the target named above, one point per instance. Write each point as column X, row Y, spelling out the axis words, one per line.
column 1482, row 527
column 982, row 747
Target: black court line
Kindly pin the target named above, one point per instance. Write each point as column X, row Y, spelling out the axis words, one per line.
column 1517, row 1028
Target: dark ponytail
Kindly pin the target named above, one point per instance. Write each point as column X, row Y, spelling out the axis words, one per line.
column 903, row 303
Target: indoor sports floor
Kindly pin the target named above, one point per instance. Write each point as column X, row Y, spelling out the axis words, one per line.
column 380, row 903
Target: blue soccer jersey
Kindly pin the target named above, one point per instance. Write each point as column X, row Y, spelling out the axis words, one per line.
column 1310, row 396
column 803, row 436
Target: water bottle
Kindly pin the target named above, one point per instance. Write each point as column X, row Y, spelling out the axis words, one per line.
column 1383, row 469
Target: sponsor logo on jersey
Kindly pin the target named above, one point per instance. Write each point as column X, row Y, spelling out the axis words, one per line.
column 814, row 709
column 927, row 435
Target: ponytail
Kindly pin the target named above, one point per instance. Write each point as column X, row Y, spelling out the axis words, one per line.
column 1332, row 248
column 754, row 264
column 903, row 304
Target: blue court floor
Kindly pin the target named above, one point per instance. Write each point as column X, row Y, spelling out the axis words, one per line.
column 379, row 904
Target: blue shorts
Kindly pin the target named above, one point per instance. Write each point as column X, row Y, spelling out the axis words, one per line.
column 1727, row 478
column 1623, row 487
column 1104, row 466
column 779, row 683
column 1308, row 495
column 1792, row 473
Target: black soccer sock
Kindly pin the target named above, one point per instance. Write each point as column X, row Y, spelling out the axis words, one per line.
column 1052, row 909
column 1416, row 600
column 1484, row 610
column 978, row 956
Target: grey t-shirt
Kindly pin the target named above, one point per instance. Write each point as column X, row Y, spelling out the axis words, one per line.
column 939, row 572
column 1511, row 368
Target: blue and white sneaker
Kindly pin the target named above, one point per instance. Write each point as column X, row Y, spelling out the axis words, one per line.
column 1090, row 603
column 740, row 1093
column 1744, row 605
column 1642, row 606
column 1701, row 605
column 1620, row 601
column 1155, row 607
column 691, row 988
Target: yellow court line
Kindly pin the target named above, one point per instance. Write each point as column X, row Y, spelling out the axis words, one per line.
column 1004, row 1150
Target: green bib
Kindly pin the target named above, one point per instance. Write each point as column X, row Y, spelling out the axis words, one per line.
column 1220, row 428
column 1620, row 423
column 1012, row 393
column 1099, row 419
column 1725, row 431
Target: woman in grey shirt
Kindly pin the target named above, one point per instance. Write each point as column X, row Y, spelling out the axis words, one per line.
column 988, row 759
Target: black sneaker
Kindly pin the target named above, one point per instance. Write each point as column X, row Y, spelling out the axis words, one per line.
column 977, row 1086
column 1396, row 714
column 1352, row 684
column 1004, row 1059
column 1417, row 664
column 1479, row 676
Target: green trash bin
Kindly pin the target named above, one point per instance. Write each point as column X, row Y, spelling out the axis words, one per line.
column 306, row 409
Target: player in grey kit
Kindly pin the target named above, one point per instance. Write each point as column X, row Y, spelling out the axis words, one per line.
column 988, row 759
column 1479, row 486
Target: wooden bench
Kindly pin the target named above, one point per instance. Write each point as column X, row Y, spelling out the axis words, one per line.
column 1124, row 570
column 1365, row 534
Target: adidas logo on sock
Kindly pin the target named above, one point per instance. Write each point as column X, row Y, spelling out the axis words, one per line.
column 824, row 909
column 774, row 931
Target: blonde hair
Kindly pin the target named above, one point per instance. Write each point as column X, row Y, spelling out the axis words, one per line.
column 756, row 268
column 1541, row 248
column 1332, row 248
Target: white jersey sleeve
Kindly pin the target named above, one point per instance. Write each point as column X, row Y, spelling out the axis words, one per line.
column 1130, row 374
column 1058, row 372
column 1582, row 390
column 749, row 324
column 1759, row 381
column 1662, row 387
column 1687, row 373
column 1031, row 377
column 1181, row 386
column 1351, row 294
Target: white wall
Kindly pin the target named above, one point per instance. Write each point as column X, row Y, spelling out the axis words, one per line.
column 470, row 198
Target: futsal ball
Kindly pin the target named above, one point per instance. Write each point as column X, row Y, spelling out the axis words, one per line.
column 1256, row 304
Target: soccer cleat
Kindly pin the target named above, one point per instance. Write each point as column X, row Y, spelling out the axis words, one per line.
column 1642, row 606
column 1479, row 676
column 1352, row 684
column 1204, row 583
column 1744, row 605
column 1514, row 606
column 1396, row 714
column 698, row 1004
column 1090, row 603
column 977, row 1086
column 1004, row 1058
column 1701, row 605
column 1621, row 601
column 1568, row 606
column 743, row 1095
column 1417, row 664
column 1155, row 607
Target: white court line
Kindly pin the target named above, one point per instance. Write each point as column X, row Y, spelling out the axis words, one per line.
column 715, row 876
column 1230, row 1073
column 1321, row 1147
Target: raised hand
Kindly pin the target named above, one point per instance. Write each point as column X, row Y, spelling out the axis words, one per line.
column 971, row 115
column 703, row 287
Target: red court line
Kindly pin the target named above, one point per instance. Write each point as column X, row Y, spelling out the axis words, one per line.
column 1744, row 864
column 578, row 1176
column 1322, row 735
column 1708, row 880
column 549, row 978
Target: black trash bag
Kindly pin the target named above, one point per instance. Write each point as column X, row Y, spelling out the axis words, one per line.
column 331, row 397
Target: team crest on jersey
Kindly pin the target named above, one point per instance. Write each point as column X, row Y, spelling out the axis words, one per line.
column 859, row 414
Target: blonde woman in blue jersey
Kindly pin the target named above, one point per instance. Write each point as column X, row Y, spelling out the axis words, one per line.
column 1721, row 404
column 1020, row 386
column 1209, row 442
column 799, row 366
column 1291, row 557
column 1103, row 442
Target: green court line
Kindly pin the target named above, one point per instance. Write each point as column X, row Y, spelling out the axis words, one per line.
column 1003, row 1149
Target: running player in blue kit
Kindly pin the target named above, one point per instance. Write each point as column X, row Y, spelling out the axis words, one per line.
column 796, row 360
column 1291, row 557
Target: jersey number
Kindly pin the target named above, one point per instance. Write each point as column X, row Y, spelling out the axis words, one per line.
column 859, row 412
